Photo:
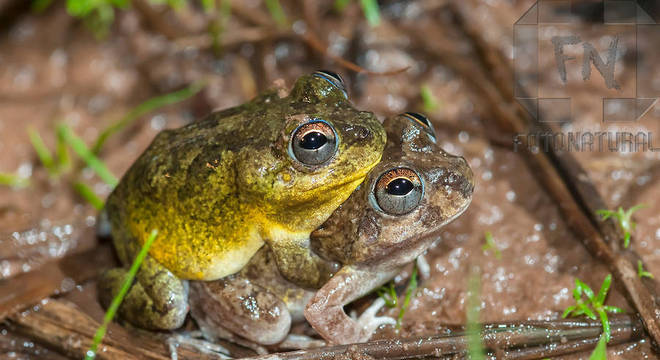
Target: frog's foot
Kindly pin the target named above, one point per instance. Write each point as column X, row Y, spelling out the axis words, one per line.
column 192, row 340
column 369, row 322
column 299, row 342
column 241, row 307
column 162, row 304
column 212, row 332
column 423, row 267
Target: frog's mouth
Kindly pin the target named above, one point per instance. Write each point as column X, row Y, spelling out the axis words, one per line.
column 351, row 182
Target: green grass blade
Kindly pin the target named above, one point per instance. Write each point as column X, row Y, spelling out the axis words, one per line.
column 630, row 211
column 473, row 327
column 641, row 273
column 88, row 194
column 585, row 289
column 606, row 324
column 410, row 289
column 41, row 5
column 144, row 108
column 208, row 5
column 388, row 294
column 340, row 5
column 600, row 352
column 90, row 159
column 13, row 180
column 42, row 150
column 604, row 288
column 371, row 11
column 276, row 11
column 114, row 305
column 490, row 245
column 588, row 311
column 568, row 311
column 62, row 152
column 577, row 291
column 613, row 309
column 430, row 102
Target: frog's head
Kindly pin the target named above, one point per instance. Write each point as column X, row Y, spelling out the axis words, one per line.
column 323, row 151
column 405, row 200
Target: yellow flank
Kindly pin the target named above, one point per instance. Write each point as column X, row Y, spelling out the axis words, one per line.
column 198, row 250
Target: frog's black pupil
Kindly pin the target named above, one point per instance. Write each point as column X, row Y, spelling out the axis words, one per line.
column 313, row 140
column 399, row 186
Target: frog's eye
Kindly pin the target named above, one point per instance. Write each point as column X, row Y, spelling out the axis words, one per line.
column 313, row 143
column 333, row 78
column 398, row 191
column 423, row 121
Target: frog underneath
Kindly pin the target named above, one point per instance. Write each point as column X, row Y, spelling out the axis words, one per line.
column 268, row 171
column 391, row 219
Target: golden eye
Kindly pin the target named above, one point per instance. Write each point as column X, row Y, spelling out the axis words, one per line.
column 313, row 143
column 398, row 191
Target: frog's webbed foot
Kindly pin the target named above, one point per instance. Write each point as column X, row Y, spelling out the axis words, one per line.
column 299, row 342
column 193, row 340
column 325, row 312
column 157, row 300
column 423, row 267
column 369, row 322
column 211, row 332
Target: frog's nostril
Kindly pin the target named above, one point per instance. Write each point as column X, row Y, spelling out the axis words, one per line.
column 362, row 132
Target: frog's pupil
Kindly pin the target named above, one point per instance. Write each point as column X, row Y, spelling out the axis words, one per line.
column 313, row 140
column 399, row 186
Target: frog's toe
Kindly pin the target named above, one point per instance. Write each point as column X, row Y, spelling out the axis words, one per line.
column 297, row 342
column 369, row 322
column 202, row 346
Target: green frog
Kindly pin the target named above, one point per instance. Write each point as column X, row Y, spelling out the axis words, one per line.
column 390, row 220
column 269, row 171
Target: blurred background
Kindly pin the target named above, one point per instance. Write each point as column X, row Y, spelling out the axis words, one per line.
column 113, row 73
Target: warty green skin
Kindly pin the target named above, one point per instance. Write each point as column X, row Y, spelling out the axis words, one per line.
column 218, row 189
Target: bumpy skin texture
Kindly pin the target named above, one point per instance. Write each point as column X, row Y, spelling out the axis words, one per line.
column 218, row 189
column 371, row 245
column 258, row 304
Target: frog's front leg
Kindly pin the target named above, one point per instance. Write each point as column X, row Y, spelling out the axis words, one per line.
column 236, row 304
column 157, row 300
column 300, row 265
column 325, row 312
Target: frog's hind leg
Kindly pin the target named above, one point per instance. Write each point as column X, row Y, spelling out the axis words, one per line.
column 246, row 309
column 157, row 300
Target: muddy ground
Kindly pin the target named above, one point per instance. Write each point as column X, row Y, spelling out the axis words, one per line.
column 53, row 69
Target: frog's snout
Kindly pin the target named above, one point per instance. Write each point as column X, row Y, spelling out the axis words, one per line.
column 460, row 177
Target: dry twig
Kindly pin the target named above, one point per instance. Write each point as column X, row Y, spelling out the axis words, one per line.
column 523, row 340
